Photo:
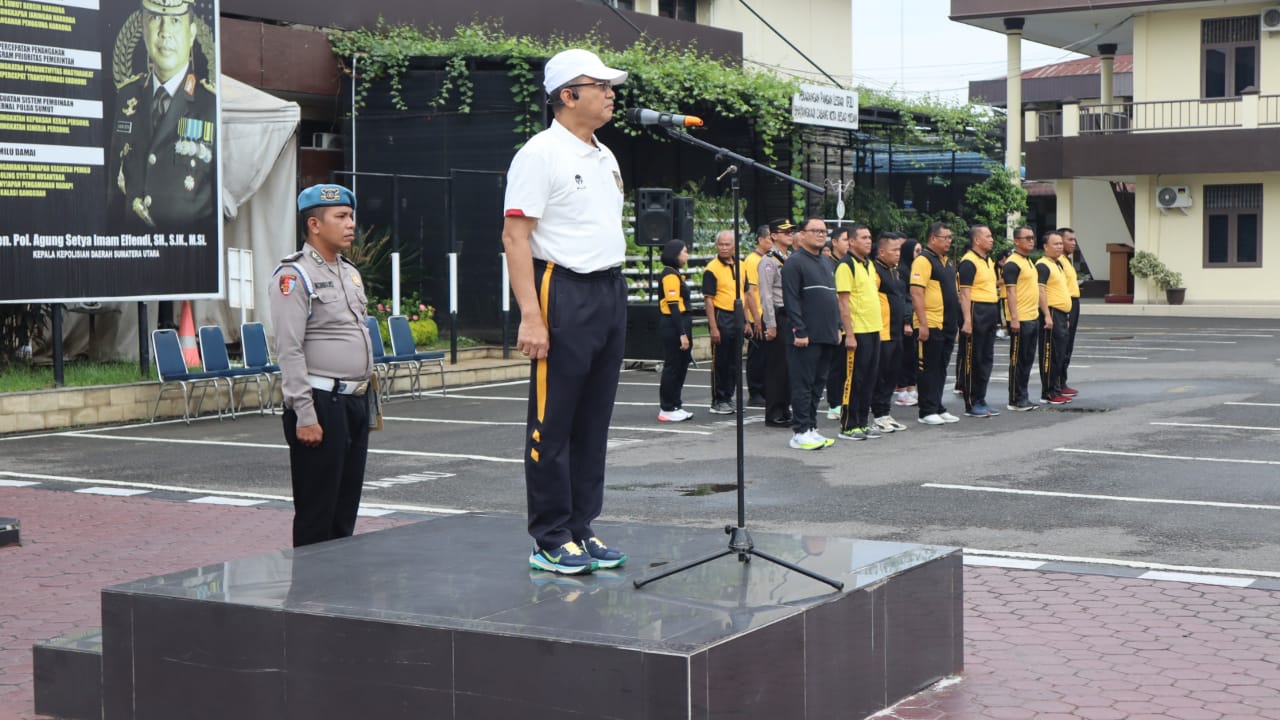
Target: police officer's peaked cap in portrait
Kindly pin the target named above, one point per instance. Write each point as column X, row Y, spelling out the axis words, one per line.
column 167, row 7
column 325, row 196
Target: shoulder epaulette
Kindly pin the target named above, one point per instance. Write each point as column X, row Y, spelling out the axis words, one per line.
column 131, row 79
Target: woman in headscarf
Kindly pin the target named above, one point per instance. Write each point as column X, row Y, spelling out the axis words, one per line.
column 906, row 393
column 675, row 331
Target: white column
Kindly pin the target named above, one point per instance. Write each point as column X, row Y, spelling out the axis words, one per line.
column 1013, row 96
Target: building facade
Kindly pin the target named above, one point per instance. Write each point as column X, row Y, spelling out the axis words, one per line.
column 1199, row 140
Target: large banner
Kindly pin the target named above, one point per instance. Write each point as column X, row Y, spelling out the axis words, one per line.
column 109, row 150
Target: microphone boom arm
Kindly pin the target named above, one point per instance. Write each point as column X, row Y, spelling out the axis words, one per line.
column 742, row 160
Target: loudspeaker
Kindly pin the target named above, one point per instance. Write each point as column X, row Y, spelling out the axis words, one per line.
column 682, row 220
column 653, row 216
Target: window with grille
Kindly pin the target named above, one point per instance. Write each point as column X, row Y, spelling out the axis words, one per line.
column 1233, row 225
column 679, row 9
column 1229, row 56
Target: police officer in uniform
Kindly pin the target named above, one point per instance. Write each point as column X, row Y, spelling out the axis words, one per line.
column 163, row 166
column 318, row 309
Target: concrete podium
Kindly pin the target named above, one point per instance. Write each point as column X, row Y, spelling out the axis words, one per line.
column 443, row 619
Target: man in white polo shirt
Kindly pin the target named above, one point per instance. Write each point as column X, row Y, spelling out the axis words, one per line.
column 564, row 243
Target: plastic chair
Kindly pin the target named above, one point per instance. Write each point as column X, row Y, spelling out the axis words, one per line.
column 387, row 366
column 257, row 356
column 213, row 356
column 172, row 369
column 402, row 346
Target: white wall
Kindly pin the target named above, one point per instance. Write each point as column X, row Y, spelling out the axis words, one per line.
column 1166, row 52
column 1097, row 221
column 821, row 28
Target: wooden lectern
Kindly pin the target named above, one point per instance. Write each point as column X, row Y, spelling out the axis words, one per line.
column 1121, row 289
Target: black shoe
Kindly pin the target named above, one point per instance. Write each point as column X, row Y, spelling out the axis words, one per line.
column 756, row 401
column 1022, row 406
column 780, row 422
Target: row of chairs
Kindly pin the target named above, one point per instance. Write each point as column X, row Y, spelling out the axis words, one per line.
column 217, row 371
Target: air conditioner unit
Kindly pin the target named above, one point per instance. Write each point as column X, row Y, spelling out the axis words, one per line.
column 1271, row 19
column 1173, row 196
column 326, row 141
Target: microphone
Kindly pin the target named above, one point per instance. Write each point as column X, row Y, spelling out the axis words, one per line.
column 644, row 116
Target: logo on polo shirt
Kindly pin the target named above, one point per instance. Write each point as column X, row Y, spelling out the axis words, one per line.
column 577, row 179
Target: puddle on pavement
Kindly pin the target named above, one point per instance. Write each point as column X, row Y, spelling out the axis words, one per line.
column 709, row 489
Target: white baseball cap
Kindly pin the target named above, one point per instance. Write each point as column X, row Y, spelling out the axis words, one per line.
column 569, row 64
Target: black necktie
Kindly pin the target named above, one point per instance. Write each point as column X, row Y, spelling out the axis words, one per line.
column 159, row 108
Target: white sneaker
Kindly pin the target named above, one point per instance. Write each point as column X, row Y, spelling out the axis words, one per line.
column 948, row 417
column 901, row 397
column 934, row 419
column 815, row 436
column 677, row 415
column 887, row 421
column 913, row 397
column 1002, row 334
column 882, row 426
column 833, row 413
column 803, row 441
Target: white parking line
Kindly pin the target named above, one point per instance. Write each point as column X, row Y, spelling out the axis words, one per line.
column 1253, row 404
column 1131, row 347
column 121, row 492
column 523, row 424
column 17, row 483
column 616, row 402
column 1216, row 426
column 1092, row 496
column 1120, row 563
column 1155, row 456
column 654, row 385
column 1108, row 357
column 223, row 500
column 146, row 487
column 227, row 443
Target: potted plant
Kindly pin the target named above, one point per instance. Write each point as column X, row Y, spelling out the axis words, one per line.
column 1147, row 266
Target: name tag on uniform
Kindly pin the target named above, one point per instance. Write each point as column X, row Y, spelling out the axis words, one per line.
column 124, row 126
column 325, row 284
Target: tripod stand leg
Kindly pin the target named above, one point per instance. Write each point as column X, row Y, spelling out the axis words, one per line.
column 791, row 566
column 641, row 582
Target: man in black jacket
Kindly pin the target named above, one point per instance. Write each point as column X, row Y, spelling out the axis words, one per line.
column 813, row 324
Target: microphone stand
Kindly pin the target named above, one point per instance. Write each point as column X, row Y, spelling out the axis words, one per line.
column 740, row 542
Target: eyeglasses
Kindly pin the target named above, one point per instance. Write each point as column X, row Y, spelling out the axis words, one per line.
column 602, row 84
column 817, row 230
column 1024, row 237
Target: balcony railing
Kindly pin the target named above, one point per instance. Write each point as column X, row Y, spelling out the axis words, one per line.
column 1269, row 110
column 1161, row 115
column 1050, row 124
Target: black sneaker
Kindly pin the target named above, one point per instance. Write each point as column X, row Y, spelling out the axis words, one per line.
column 721, row 408
column 1022, row 406
column 756, row 401
column 605, row 557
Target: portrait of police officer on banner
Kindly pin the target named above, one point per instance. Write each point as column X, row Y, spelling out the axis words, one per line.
column 163, row 166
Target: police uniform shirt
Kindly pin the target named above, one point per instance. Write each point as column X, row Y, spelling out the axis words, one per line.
column 163, row 176
column 1050, row 274
column 857, row 277
column 978, row 273
column 771, row 287
column 333, row 342
column 717, row 284
column 574, row 190
column 937, row 276
column 1021, row 275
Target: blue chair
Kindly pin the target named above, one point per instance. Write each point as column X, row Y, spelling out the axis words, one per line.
column 257, row 356
column 386, row 366
column 166, row 348
column 402, row 347
column 214, row 358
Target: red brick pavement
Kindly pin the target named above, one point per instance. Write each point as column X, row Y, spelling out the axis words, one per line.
column 1039, row 645
column 75, row 544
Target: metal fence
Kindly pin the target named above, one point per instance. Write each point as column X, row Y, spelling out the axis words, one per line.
column 1158, row 115
column 1269, row 110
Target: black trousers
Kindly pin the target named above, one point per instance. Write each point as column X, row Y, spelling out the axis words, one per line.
column 1071, row 338
column 836, row 375
column 890, row 360
column 725, row 368
column 675, row 363
column 1053, row 349
column 1022, row 356
column 909, row 365
column 327, row 479
column 935, row 355
column 777, row 383
column 571, row 394
column 978, row 353
column 808, row 369
column 757, row 386
column 862, row 370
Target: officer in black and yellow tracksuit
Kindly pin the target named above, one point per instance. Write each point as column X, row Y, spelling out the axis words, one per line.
column 980, row 308
column 676, row 331
column 1055, row 307
column 719, row 294
column 1022, row 302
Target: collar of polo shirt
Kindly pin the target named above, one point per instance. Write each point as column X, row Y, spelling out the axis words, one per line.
column 582, row 149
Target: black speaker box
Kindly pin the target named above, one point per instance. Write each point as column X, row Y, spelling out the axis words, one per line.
column 653, row 216
column 682, row 218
